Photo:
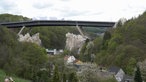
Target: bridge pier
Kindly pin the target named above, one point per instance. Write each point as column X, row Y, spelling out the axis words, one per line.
column 21, row 30
column 80, row 29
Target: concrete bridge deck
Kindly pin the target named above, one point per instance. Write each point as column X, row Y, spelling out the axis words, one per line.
column 35, row 23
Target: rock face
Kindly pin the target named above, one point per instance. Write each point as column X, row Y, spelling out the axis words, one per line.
column 27, row 38
column 74, row 41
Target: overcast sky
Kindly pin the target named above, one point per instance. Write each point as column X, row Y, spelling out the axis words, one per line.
column 94, row 10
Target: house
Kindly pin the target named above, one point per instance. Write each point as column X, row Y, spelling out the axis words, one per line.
column 69, row 59
column 127, row 78
column 78, row 62
column 117, row 72
column 54, row 51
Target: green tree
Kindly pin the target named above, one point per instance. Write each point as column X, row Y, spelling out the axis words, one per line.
column 12, row 18
column 73, row 77
column 106, row 38
column 124, row 45
column 22, row 59
column 64, row 77
column 137, row 77
column 56, row 77
column 58, row 33
column 97, row 45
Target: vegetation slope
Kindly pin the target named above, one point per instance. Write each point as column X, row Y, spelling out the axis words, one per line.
column 27, row 59
column 123, row 46
column 16, row 79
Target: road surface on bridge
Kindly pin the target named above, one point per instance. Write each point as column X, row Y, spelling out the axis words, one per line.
column 35, row 23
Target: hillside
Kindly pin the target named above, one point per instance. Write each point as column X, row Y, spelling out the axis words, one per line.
column 20, row 58
column 52, row 37
column 16, row 79
column 123, row 46
column 26, row 59
column 12, row 18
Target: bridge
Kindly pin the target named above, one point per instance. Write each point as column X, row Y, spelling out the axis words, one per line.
column 78, row 24
column 35, row 23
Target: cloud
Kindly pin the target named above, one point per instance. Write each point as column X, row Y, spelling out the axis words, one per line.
column 6, row 6
column 42, row 5
column 67, row 12
column 40, row 18
column 96, row 13
column 65, row 0
column 74, row 9
column 73, row 13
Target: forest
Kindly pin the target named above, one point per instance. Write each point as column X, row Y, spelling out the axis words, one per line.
column 25, row 59
column 123, row 46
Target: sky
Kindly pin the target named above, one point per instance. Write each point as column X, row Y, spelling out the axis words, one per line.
column 88, row 10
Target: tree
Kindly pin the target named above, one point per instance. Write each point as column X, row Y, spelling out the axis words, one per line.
column 46, row 33
column 137, row 77
column 73, row 77
column 56, row 75
column 64, row 77
column 106, row 38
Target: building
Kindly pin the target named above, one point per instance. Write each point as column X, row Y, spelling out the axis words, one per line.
column 120, row 75
column 117, row 72
column 69, row 59
column 127, row 78
column 54, row 51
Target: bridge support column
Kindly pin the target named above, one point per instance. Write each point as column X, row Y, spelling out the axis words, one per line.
column 80, row 30
column 21, row 30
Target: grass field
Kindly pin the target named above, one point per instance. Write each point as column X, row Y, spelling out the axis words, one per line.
column 16, row 79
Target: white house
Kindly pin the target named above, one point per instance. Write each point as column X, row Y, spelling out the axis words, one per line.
column 69, row 59
column 117, row 72
column 120, row 75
